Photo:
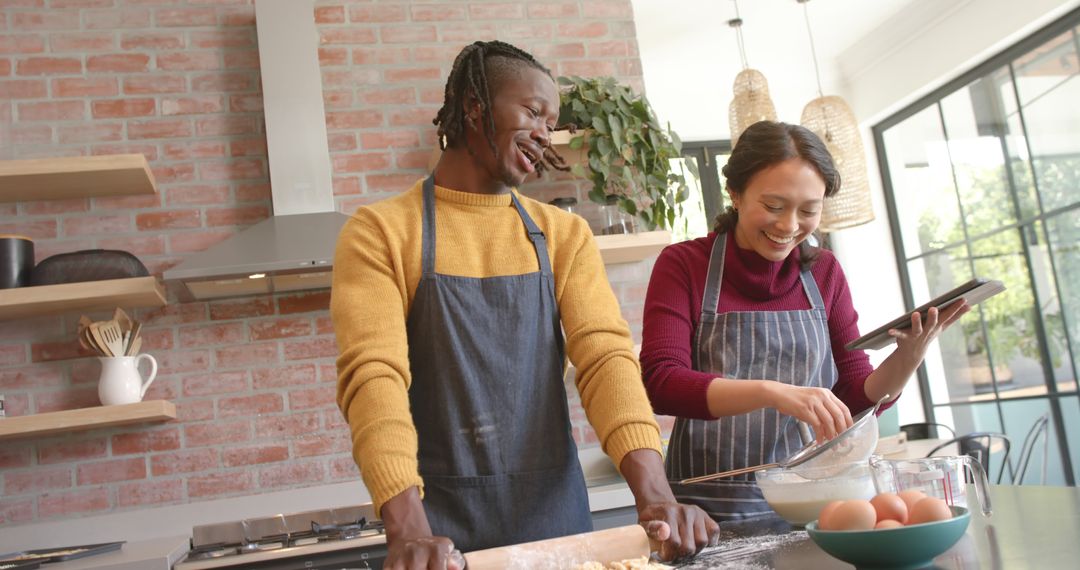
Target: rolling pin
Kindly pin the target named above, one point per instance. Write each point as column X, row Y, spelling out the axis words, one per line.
column 611, row 545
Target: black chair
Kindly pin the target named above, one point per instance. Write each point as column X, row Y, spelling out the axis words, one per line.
column 1038, row 429
column 977, row 445
column 925, row 430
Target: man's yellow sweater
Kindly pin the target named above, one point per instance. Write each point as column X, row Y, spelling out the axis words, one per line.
column 376, row 272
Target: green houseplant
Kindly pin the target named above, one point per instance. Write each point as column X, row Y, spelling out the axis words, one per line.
column 628, row 152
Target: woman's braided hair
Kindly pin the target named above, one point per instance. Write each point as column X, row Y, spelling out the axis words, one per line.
column 476, row 68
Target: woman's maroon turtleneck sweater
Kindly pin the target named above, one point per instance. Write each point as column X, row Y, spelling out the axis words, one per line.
column 750, row 283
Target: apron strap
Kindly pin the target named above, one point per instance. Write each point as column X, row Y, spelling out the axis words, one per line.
column 711, row 299
column 535, row 236
column 427, row 251
column 813, row 294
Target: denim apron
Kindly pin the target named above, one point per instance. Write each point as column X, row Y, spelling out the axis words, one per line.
column 792, row 347
column 496, row 451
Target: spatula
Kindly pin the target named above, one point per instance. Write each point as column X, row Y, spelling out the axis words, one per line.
column 112, row 335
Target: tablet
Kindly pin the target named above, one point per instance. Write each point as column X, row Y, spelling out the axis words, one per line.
column 974, row 292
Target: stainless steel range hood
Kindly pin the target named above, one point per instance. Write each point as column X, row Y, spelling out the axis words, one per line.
column 294, row 249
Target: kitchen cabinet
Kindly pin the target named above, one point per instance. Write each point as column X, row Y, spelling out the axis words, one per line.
column 49, row 423
column 75, row 177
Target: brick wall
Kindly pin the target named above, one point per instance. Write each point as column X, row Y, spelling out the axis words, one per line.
column 253, row 378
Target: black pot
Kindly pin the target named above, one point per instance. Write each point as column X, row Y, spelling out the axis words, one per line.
column 16, row 260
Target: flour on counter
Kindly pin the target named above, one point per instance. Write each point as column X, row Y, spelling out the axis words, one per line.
column 747, row 553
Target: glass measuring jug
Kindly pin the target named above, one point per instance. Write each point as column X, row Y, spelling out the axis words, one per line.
column 941, row 477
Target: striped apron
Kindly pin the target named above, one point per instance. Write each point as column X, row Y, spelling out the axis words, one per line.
column 792, row 347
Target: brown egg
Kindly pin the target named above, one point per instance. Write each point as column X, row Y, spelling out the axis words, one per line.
column 890, row 507
column 910, row 497
column 887, row 523
column 929, row 509
column 853, row 514
column 825, row 516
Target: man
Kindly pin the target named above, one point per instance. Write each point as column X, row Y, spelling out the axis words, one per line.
column 451, row 366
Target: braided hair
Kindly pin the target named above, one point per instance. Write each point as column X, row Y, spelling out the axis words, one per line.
column 475, row 70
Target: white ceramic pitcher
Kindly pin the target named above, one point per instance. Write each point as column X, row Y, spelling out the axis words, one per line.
column 121, row 382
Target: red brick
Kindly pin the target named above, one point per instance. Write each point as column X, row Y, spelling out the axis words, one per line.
column 413, row 74
column 172, row 314
column 14, row 511
column 389, row 96
column 333, row 56
column 157, row 129
column 169, row 173
column 582, row 30
column 407, row 34
column 96, row 225
column 23, row 89
column 111, row 471
column 304, row 302
column 318, row 347
column 256, row 405
column 22, row 43
column 113, row 19
column 419, row 116
column 49, row 351
column 255, row 455
column 82, row 42
column 347, row 36
column 40, row 229
column 172, row 219
column 337, row 99
column 527, row 31
column 341, row 141
column 189, row 61
column 52, row 111
column 412, row 160
column 609, row 9
column 14, row 456
column 194, row 410
column 17, row 405
column 192, row 105
column 85, row 87
column 242, row 59
column 122, row 108
column 390, row 139
column 251, row 354
column 240, row 16
column 292, row 474
column 75, row 502
column 587, row 68
column 437, row 53
column 559, row 51
column 36, row 480
column 389, row 182
column 238, row 169
column 253, row 192
column 329, row 14
column 183, row 361
column 118, row 63
column 196, row 241
column 187, row 150
column 152, row 41
column 216, row 39
column 185, row 17
column 505, row 11
column 376, row 13
column 90, row 132
column 248, row 147
column 56, row 20
column 242, row 308
column 223, row 82
column 138, row 245
column 157, row 339
column 553, row 10
column 346, row 186
column 436, row 13
column 312, row 398
column 239, row 216
column 146, row 441
column 218, row 125
column 360, row 162
column 216, row 433
column 352, row 77
column 353, row 119
column 216, row 383
column 197, row 195
column 72, row 451
column 283, row 376
column 212, row 334
column 187, row 461
column 246, row 103
column 150, row 493
column 286, row 425
column 324, row 325
column 383, row 55
column 5, row 67
column 466, row 32
column 613, row 48
column 31, row 134
column 57, row 4
column 67, row 399
column 222, row 483
column 143, row 85
column 279, row 328
column 322, row 444
column 344, row 468
column 11, row 355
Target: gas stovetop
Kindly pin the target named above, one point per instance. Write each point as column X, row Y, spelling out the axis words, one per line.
column 348, row 537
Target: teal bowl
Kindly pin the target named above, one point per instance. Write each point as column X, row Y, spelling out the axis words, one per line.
column 913, row 546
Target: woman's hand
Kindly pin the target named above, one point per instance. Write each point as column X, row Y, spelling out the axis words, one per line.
column 819, row 407
column 911, row 344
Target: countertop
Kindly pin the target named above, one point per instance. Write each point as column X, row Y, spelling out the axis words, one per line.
column 1032, row 527
column 153, row 554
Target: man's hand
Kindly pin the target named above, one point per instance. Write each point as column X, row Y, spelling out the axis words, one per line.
column 682, row 530
column 410, row 545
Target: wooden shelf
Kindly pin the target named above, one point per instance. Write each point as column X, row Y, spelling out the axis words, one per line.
column 75, row 177
column 627, row 248
column 86, row 419
column 90, row 295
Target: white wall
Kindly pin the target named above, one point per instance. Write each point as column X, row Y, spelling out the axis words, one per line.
column 910, row 48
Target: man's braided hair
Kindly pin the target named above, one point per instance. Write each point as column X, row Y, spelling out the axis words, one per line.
column 476, row 68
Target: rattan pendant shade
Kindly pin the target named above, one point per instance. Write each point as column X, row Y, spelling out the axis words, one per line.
column 832, row 119
column 751, row 103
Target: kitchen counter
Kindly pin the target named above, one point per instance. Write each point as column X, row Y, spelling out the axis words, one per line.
column 1032, row 527
column 154, row 554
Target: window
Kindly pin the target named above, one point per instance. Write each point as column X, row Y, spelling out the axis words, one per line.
column 707, row 197
column 982, row 178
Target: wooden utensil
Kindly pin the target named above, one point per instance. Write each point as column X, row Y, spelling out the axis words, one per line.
column 605, row 546
column 113, row 337
column 84, row 325
column 134, row 342
column 99, row 340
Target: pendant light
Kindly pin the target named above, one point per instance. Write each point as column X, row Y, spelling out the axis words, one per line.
column 832, row 119
column 751, row 103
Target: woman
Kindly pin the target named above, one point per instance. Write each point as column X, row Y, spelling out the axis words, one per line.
column 744, row 329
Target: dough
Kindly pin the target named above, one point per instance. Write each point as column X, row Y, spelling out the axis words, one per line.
column 642, row 563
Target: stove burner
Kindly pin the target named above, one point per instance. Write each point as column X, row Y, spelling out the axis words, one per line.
column 210, row 551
